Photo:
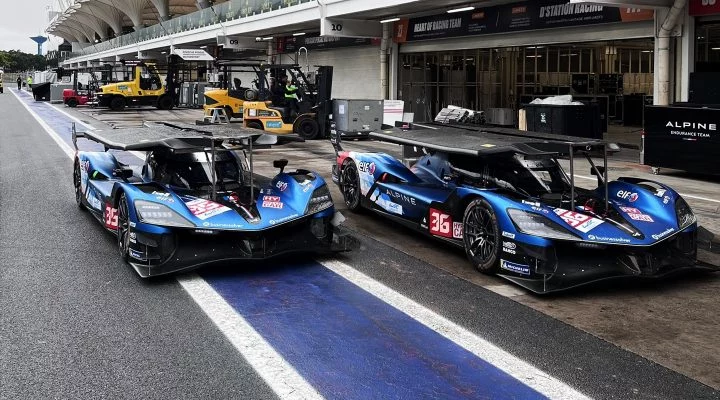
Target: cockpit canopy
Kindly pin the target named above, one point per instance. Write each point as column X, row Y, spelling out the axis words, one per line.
column 193, row 171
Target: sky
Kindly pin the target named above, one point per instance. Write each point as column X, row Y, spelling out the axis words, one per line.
column 19, row 20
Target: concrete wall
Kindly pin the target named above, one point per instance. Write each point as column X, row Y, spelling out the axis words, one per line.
column 356, row 72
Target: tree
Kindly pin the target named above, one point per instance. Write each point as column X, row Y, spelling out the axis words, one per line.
column 17, row 61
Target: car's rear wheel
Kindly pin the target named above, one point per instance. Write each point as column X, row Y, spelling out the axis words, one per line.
column 481, row 236
column 351, row 186
column 78, row 186
column 123, row 229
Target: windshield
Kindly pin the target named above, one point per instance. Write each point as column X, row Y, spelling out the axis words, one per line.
column 533, row 177
column 194, row 172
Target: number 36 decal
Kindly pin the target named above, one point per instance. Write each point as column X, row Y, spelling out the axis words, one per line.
column 441, row 224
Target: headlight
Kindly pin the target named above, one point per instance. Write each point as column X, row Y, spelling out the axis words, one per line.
column 537, row 225
column 320, row 200
column 685, row 216
column 158, row 214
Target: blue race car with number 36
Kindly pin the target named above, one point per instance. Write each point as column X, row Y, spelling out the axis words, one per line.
column 504, row 198
column 196, row 200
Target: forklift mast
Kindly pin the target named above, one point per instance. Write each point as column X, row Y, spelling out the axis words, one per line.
column 323, row 83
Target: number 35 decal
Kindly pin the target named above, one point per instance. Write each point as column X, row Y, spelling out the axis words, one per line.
column 110, row 217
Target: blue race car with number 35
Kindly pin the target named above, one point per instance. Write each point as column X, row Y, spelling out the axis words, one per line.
column 504, row 198
column 196, row 200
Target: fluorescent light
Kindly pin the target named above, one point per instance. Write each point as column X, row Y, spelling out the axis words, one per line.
column 299, row 34
column 461, row 9
column 646, row 51
column 203, row 47
column 267, row 38
column 385, row 21
column 716, row 48
column 533, row 56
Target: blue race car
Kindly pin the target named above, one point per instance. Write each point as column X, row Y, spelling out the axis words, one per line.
column 503, row 197
column 196, row 199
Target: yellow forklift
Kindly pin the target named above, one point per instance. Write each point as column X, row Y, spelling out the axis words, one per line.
column 232, row 93
column 314, row 106
column 143, row 87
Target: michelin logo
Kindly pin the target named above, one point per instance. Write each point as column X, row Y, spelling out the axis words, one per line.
column 513, row 267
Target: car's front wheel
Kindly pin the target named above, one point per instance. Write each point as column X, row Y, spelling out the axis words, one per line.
column 481, row 236
column 351, row 186
column 78, row 186
column 123, row 227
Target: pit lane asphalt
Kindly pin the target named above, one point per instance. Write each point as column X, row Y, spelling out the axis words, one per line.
column 76, row 323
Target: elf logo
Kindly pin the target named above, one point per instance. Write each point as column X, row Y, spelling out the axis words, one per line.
column 629, row 196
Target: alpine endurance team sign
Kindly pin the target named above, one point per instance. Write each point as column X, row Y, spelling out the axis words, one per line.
column 523, row 16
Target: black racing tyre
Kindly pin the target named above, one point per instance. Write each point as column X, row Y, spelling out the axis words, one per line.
column 481, row 236
column 123, row 229
column 165, row 102
column 255, row 125
column 78, row 186
column 117, row 103
column 229, row 112
column 350, row 187
column 72, row 103
column 307, row 127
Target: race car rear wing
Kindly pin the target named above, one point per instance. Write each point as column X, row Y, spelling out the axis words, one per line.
column 179, row 138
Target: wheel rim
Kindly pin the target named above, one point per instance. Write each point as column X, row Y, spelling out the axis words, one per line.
column 123, row 226
column 76, row 182
column 480, row 235
column 350, row 185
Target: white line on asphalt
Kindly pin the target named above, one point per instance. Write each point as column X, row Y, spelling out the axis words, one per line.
column 689, row 196
column 64, row 146
column 282, row 378
column 513, row 366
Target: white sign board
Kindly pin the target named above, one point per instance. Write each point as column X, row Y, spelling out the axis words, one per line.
column 350, row 28
column 393, row 111
column 193, row 55
column 240, row 43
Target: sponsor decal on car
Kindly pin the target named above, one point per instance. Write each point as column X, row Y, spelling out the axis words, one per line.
column 457, row 230
column 282, row 186
column 581, row 222
column 509, row 247
column 636, row 214
column 666, row 199
column 660, row 192
column 133, row 237
column 85, row 165
column 204, row 209
column 110, row 217
column 366, row 167
column 514, row 267
column 384, row 201
column 508, row 235
column 608, row 239
column 284, row 219
column 223, row 226
column 627, row 195
column 440, row 224
column 163, row 196
column 663, row 234
column 136, row 254
column 93, row 199
column 531, row 203
column 402, row 197
column 272, row 202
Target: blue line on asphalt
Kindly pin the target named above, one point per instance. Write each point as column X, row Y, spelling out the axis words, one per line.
column 344, row 341
column 349, row 344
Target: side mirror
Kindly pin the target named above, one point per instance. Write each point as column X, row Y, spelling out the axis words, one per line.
column 598, row 172
column 282, row 163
